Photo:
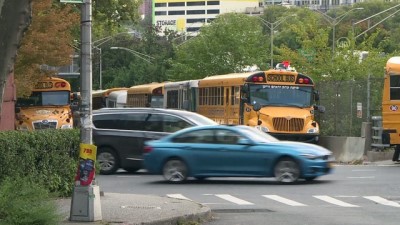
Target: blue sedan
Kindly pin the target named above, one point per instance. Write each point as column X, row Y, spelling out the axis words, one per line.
column 234, row 151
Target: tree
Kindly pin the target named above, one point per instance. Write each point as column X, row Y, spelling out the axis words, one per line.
column 14, row 20
column 47, row 42
column 229, row 44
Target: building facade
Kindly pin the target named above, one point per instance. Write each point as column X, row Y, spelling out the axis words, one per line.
column 187, row 16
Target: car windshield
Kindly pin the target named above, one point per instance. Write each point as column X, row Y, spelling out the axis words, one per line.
column 256, row 135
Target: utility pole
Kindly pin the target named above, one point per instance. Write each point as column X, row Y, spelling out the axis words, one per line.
column 85, row 204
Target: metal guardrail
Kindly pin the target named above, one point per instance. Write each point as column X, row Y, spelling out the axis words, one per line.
column 377, row 130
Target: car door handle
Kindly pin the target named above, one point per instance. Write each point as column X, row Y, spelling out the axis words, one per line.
column 187, row 148
column 223, row 150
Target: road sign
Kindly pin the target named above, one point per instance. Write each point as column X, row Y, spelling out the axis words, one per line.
column 72, row 1
column 359, row 110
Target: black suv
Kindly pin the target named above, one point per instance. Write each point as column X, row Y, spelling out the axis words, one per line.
column 120, row 133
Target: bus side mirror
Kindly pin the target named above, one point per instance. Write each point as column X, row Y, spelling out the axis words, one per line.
column 320, row 108
column 257, row 107
column 316, row 95
column 17, row 109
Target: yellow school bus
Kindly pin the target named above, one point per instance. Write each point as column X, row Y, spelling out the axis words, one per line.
column 146, row 95
column 47, row 107
column 391, row 102
column 99, row 97
column 278, row 101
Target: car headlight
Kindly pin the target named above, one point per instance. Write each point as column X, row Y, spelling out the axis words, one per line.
column 312, row 130
column 263, row 129
column 309, row 156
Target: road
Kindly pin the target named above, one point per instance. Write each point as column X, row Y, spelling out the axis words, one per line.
column 361, row 194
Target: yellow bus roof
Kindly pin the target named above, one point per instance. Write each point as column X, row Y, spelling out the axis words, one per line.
column 145, row 88
column 393, row 65
column 238, row 78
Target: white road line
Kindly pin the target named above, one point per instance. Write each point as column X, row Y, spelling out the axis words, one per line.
column 370, row 177
column 284, row 200
column 365, row 170
column 382, row 201
column 234, row 199
column 178, row 196
column 334, row 201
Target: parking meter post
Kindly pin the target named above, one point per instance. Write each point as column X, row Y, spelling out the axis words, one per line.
column 85, row 203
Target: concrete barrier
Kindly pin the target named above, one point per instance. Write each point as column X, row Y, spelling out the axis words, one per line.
column 353, row 149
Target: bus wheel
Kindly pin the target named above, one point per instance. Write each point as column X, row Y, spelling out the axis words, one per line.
column 287, row 170
column 108, row 161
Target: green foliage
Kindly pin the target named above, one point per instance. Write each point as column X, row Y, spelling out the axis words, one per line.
column 48, row 156
column 23, row 202
column 229, row 44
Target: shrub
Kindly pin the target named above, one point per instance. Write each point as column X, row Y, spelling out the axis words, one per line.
column 49, row 157
column 23, row 202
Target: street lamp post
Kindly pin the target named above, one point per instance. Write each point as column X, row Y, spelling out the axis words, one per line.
column 272, row 26
column 335, row 21
column 138, row 54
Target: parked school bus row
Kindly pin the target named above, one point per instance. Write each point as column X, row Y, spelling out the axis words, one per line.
column 279, row 101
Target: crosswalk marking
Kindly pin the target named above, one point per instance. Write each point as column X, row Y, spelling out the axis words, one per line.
column 334, row 201
column 382, row 201
column 178, row 196
column 284, row 200
column 234, row 199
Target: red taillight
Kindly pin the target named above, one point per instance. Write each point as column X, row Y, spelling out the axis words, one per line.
column 147, row 149
column 60, row 84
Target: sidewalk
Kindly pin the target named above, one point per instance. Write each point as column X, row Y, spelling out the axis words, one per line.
column 131, row 209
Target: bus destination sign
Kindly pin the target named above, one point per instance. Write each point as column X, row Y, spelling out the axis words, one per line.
column 281, row 78
column 44, row 85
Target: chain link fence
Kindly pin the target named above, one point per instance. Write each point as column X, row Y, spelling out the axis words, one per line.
column 348, row 104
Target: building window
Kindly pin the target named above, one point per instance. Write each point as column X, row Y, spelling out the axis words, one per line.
column 192, row 29
column 213, row 11
column 213, row 3
column 196, row 12
column 180, row 12
column 161, row 5
column 196, row 3
column 175, row 4
column 195, row 20
column 161, row 13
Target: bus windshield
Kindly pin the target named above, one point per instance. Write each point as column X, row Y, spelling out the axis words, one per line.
column 49, row 98
column 281, row 95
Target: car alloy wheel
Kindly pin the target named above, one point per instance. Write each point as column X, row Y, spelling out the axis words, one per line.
column 175, row 171
column 108, row 161
column 287, row 170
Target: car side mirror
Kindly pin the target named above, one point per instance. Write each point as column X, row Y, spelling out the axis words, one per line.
column 244, row 141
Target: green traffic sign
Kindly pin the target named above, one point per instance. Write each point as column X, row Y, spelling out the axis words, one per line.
column 71, row 1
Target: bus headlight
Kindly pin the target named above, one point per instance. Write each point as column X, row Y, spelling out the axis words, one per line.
column 312, row 130
column 263, row 129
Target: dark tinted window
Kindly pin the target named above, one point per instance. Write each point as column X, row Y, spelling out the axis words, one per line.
column 134, row 121
column 200, row 136
column 195, row 12
column 172, row 4
column 213, row 3
column 161, row 13
column 196, row 3
column 180, row 12
column 196, row 20
column 192, row 29
column 213, row 11
column 161, row 5
column 395, row 87
column 165, row 123
column 227, row 137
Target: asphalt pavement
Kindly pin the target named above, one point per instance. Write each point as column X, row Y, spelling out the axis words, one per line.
column 133, row 209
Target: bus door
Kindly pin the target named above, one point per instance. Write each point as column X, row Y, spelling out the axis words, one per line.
column 228, row 108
